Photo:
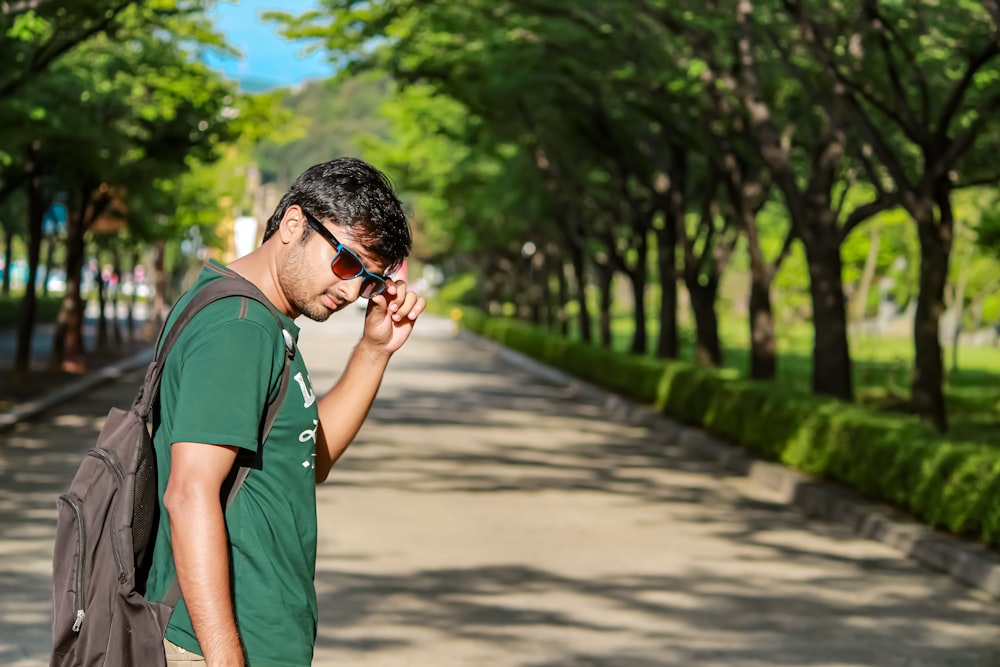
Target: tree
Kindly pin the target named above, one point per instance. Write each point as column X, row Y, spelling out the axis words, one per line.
column 39, row 32
column 922, row 99
column 794, row 130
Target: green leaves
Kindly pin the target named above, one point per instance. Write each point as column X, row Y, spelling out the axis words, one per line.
column 38, row 34
column 30, row 27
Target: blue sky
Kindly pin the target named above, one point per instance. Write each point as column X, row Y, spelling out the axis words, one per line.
column 268, row 60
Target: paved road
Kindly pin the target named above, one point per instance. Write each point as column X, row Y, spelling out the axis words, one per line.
column 484, row 517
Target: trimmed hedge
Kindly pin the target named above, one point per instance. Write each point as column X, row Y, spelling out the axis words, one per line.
column 892, row 458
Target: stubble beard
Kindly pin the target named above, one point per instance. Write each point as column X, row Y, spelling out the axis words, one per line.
column 294, row 280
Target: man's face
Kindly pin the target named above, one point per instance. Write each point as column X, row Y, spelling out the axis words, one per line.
column 308, row 279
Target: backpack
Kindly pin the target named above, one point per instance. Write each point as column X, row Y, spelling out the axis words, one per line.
column 107, row 523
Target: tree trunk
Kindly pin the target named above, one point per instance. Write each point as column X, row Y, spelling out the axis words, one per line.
column 562, row 298
column 535, row 289
column 605, row 275
column 639, row 335
column 763, row 343
column 580, row 284
column 520, row 282
column 26, row 321
column 666, row 262
column 639, row 279
column 708, row 348
column 102, row 316
column 702, row 273
column 159, row 314
column 68, row 348
column 116, row 272
column 927, row 386
column 549, row 292
column 831, row 353
column 672, row 203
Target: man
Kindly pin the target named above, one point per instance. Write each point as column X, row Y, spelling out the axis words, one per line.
column 246, row 574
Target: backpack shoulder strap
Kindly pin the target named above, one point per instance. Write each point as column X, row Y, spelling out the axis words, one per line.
column 214, row 291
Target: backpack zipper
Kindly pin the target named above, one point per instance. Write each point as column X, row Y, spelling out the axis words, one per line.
column 112, row 462
column 81, row 541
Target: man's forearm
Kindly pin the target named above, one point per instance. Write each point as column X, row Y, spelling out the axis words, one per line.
column 343, row 410
column 200, row 550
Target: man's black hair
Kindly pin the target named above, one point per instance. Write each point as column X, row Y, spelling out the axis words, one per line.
column 351, row 193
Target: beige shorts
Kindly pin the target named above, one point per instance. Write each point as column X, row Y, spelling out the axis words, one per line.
column 179, row 657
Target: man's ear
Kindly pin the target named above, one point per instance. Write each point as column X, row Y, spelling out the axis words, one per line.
column 292, row 223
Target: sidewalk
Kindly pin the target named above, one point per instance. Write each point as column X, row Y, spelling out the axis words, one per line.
column 486, row 515
column 18, row 395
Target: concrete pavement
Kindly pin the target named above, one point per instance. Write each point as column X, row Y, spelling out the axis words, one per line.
column 486, row 516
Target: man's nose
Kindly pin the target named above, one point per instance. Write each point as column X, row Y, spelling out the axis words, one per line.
column 352, row 288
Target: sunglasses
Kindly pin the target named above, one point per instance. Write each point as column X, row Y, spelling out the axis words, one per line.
column 345, row 264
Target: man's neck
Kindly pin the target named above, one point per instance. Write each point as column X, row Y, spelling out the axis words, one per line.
column 260, row 268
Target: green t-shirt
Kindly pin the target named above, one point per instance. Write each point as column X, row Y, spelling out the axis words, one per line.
column 216, row 383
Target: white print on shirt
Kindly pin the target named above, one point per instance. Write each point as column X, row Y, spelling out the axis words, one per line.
column 307, row 436
column 307, row 393
column 309, row 433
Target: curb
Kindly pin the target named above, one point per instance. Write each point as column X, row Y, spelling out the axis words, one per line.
column 972, row 564
column 91, row 380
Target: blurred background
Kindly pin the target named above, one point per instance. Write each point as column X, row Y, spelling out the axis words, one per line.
column 793, row 191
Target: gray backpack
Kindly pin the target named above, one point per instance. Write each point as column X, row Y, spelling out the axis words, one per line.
column 107, row 523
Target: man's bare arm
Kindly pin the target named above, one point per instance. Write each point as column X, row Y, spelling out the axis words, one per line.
column 388, row 324
column 200, row 546
column 343, row 410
